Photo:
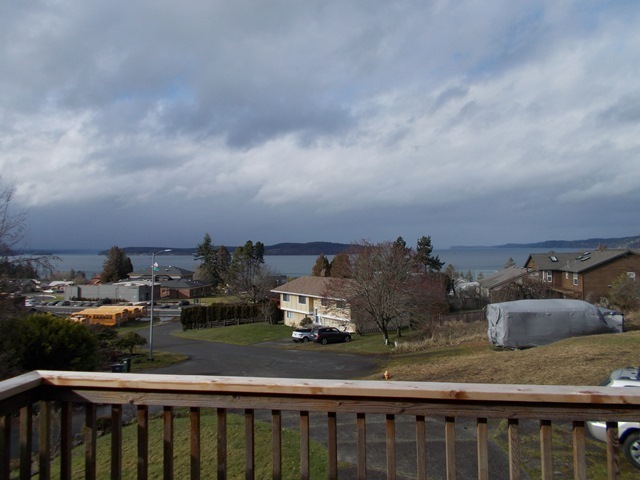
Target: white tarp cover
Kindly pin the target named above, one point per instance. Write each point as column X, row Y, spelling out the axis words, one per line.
column 532, row 323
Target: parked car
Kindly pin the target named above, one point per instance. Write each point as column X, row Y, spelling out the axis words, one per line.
column 326, row 335
column 628, row 432
column 301, row 334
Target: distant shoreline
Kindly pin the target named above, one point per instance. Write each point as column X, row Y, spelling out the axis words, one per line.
column 332, row 248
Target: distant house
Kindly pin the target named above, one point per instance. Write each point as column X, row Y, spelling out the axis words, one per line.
column 163, row 272
column 318, row 298
column 585, row 275
column 491, row 286
column 184, row 288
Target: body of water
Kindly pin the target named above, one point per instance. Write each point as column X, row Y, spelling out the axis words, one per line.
column 481, row 260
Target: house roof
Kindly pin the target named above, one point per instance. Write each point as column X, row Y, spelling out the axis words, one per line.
column 576, row 262
column 163, row 270
column 184, row 283
column 319, row 287
column 506, row 275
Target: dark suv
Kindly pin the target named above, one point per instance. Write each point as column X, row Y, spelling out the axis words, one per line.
column 326, row 335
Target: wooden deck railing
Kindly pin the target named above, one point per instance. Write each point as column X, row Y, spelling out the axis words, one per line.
column 416, row 402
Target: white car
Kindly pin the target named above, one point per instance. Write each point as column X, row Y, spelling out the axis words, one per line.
column 628, row 432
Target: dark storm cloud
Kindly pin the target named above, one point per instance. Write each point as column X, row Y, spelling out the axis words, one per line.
column 469, row 121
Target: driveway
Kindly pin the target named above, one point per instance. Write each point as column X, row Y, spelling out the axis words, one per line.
column 208, row 358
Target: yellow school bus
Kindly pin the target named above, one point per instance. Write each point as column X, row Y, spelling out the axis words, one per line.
column 109, row 315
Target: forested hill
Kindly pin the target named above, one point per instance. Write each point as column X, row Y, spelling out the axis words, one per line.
column 311, row 248
column 588, row 244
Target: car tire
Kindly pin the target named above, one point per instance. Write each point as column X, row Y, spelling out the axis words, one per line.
column 347, row 338
column 631, row 448
column 305, row 339
column 324, row 341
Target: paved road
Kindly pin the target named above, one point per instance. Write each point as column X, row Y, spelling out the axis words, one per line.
column 208, row 358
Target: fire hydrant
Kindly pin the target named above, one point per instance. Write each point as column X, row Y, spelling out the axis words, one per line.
column 386, row 374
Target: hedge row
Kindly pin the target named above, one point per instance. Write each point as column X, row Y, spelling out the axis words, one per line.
column 210, row 315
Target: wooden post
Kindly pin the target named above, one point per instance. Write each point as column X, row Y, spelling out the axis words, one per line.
column 26, row 440
column 167, row 442
column 116, row 442
column 483, row 449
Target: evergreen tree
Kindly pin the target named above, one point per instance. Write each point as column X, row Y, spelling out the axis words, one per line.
column 322, row 267
column 340, row 266
column 244, row 273
column 224, row 263
column 424, row 255
column 117, row 265
column 510, row 263
column 205, row 253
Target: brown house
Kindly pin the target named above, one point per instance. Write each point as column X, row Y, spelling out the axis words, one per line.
column 584, row 275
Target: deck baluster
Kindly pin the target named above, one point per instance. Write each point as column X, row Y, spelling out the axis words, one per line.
column 167, row 442
column 362, row 446
column 66, row 439
column 276, row 443
column 613, row 451
column 194, row 415
column 579, row 451
column 249, row 444
column 5, row 447
column 304, row 445
column 546, row 450
column 221, row 443
column 143, row 442
column 26, row 440
column 391, row 446
column 332, row 445
column 482, row 429
column 116, row 441
column 514, row 448
column 450, row 447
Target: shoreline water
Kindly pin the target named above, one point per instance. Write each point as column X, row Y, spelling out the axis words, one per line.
column 486, row 261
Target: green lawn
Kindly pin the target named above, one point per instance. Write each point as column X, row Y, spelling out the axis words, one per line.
column 255, row 333
column 160, row 359
column 249, row 334
column 208, row 430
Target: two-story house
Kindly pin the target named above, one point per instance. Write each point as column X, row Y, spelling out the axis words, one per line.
column 320, row 298
column 584, row 275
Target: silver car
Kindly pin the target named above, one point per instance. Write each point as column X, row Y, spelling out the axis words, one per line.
column 628, row 432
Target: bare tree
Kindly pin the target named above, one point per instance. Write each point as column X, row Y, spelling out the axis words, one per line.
column 13, row 264
column 389, row 287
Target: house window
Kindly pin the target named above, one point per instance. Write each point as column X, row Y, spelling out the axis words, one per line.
column 302, row 300
column 575, row 279
column 289, row 315
column 547, row 276
column 285, row 297
column 631, row 275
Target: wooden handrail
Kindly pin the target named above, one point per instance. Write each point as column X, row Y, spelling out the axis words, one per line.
column 450, row 401
column 469, row 392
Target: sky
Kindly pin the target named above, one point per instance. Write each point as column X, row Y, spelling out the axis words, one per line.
column 151, row 123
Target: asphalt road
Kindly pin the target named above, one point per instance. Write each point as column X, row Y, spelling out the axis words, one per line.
column 208, row 358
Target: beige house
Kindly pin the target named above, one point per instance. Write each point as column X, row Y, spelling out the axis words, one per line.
column 318, row 298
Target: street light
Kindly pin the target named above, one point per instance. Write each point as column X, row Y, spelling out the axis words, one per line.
column 153, row 281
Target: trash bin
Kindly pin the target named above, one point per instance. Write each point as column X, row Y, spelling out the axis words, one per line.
column 117, row 367
column 127, row 364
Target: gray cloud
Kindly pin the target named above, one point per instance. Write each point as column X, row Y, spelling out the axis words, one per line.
column 335, row 120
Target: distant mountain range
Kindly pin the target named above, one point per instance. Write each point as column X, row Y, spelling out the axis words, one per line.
column 311, row 248
column 588, row 244
column 332, row 248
